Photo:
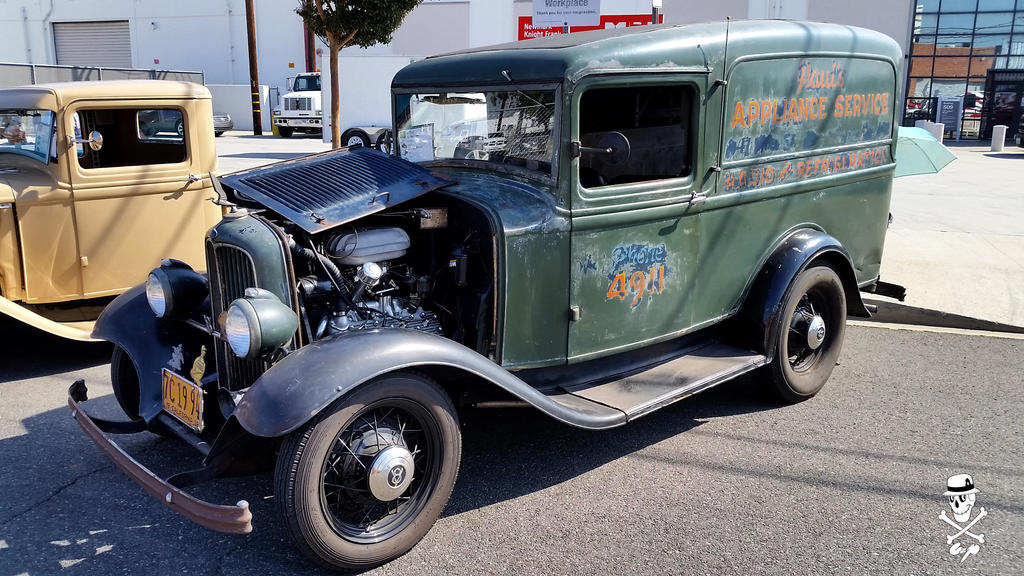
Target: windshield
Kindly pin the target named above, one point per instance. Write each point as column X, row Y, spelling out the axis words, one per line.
column 27, row 132
column 504, row 127
column 307, row 84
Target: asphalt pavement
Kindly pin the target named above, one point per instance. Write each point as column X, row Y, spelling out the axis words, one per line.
column 727, row 482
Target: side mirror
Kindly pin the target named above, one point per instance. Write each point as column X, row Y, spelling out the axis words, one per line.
column 95, row 140
column 613, row 146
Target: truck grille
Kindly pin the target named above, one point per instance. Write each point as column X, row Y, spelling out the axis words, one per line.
column 293, row 103
column 231, row 272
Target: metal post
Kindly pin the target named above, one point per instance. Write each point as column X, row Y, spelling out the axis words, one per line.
column 655, row 9
column 254, row 74
column 565, row 27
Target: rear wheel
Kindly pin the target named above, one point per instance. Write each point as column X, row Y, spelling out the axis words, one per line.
column 285, row 131
column 365, row 481
column 808, row 334
column 179, row 128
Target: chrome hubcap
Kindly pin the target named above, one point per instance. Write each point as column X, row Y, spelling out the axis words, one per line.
column 391, row 473
column 815, row 332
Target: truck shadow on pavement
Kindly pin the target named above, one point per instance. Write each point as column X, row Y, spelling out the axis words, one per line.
column 29, row 353
column 66, row 507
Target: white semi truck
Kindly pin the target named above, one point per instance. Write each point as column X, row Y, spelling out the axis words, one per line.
column 300, row 110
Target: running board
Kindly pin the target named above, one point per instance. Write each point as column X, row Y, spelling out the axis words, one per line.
column 645, row 391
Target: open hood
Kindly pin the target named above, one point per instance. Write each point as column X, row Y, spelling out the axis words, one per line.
column 325, row 190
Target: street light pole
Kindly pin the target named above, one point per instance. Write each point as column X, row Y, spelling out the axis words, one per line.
column 254, row 72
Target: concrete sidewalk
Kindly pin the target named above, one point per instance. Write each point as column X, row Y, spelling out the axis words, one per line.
column 957, row 238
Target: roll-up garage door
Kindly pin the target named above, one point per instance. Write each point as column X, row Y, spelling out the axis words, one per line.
column 105, row 44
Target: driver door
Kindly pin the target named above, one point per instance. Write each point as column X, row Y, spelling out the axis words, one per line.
column 635, row 231
column 144, row 195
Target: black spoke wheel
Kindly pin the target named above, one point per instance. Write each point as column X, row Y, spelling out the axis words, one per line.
column 365, row 481
column 808, row 334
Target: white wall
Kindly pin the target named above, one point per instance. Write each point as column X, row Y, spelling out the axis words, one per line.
column 234, row 99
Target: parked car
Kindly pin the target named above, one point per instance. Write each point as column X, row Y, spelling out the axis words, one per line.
column 222, row 123
column 652, row 213
column 164, row 121
column 98, row 182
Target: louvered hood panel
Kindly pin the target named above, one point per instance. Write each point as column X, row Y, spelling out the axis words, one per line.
column 324, row 190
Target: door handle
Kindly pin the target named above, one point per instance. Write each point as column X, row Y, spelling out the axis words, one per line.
column 697, row 199
column 191, row 179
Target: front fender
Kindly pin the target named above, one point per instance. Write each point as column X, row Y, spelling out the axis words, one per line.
column 151, row 343
column 298, row 387
column 795, row 253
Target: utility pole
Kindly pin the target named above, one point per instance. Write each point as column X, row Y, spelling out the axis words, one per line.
column 254, row 73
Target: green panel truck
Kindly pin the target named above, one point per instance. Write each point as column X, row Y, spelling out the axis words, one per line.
column 595, row 224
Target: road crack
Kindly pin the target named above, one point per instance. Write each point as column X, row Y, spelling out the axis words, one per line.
column 67, row 485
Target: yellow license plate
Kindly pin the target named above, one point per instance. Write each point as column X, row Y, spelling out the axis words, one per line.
column 183, row 400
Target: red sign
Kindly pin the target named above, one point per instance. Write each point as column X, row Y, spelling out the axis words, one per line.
column 527, row 30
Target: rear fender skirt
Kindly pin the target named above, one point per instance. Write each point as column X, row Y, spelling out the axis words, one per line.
column 151, row 343
column 795, row 253
column 305, row 382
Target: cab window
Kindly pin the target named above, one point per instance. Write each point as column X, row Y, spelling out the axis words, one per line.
column 635, row 134
column 134, row 137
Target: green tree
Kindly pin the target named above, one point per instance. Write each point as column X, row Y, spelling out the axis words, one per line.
column 359, row 22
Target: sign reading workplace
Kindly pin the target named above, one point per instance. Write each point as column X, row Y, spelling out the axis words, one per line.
column 571, row 12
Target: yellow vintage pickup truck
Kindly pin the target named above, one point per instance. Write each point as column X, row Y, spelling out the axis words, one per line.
column 98, row 182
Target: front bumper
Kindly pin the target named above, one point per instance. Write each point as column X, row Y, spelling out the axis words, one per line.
column 235, row 519
column 297, row 122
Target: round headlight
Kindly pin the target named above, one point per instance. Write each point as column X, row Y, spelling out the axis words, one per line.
column 175, row 289
column 258, row 323
column 155, row 294
column 238, row 331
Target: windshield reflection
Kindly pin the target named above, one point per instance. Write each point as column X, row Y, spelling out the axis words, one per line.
column 512, row 127
column 27, row 132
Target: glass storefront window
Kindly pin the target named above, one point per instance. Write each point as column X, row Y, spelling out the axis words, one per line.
column 995, row 5
column 923, row 45
column 953, row 41
column 979, row 66
column 995, row 22
column 951, row 67
column 948, row 87
column 958, row 5
column 994, row 44
column 925, row 24
column 956, row 23
column 921, row 66
column 920, row 87
column 956, row 43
